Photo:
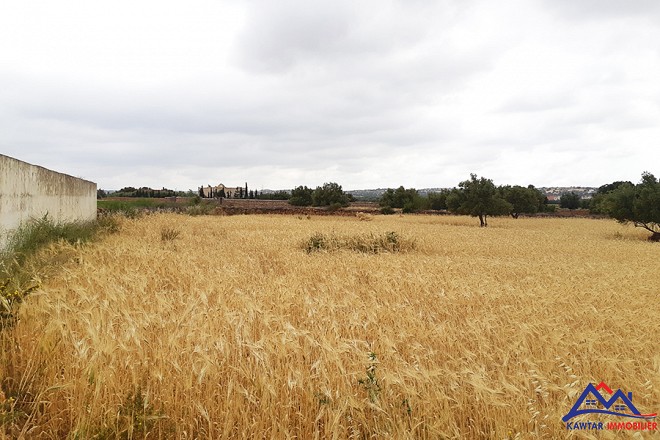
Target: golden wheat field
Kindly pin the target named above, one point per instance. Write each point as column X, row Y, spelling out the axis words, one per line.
column 225, row 327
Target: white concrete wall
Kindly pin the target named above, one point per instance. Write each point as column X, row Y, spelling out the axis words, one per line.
column 29, row 191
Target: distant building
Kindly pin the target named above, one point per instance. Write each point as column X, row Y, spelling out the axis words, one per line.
column 222, row 191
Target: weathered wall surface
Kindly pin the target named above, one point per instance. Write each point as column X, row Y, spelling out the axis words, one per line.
column 29, row 191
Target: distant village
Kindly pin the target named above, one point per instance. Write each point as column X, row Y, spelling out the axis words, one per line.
column 554, row 193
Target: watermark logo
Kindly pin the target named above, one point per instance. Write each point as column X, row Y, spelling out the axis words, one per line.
column 594, row 401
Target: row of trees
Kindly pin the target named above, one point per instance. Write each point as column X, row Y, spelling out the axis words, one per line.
column 477, row 196
column 144, row 191
column 330, row 194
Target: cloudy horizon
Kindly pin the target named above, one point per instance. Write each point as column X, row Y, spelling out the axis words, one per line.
column 367, row 94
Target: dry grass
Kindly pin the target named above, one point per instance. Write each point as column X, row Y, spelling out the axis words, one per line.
column 367, row 243
column 237, row 332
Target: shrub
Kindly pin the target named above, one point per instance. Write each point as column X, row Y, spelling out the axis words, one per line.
column 301, row 196
column 363, row 217
column 387, row 210
column 37, row 233
column 12, row 294
column 169, row 234
column 201, row 209
column 365, row 243
column 408, row 207
column 317, row 242
column 329, row 194
column 335, row 207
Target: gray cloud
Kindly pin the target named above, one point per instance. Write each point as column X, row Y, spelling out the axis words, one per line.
column 598, row 9
column 367, row 94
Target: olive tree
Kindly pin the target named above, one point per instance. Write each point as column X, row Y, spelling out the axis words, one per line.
column 478, row 198
column 522, row 200
column 637, row 204
column 330, row 194
column 301, row 196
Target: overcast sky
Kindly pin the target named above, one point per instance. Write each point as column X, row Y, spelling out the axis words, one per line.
column 368, row 94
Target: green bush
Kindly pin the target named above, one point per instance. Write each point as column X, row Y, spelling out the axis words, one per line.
column 301, row 196
column 408, row 208
column 201, row 209
column 569, row 200
column 408, row 200
column 438, row 200
column 330, row 194
column 37, row 233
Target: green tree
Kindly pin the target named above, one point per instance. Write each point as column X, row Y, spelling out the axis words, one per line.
column 637, row 204
column 408, row 200
column 438, row 200
column 569, row 200
column 329, row 194
column 596, row 204
column 544, row 206
column 301, row 196
column 101, row 194
column 523, row 200
column 274, row 195
column 127, row 191
column 478, row 198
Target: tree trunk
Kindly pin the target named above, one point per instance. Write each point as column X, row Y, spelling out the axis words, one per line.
column 482, row 220
column 655, row 236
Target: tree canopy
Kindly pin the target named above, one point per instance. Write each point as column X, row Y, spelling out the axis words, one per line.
column 438, row 200
column 569, row 200
column 522, row 200
column 478, row 198
column 637, row 204
column 329, row 194
column 408, row 200
column 597, row 202
column 301, row 196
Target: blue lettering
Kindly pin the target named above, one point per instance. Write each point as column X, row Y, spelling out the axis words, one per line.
column 584, row 425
